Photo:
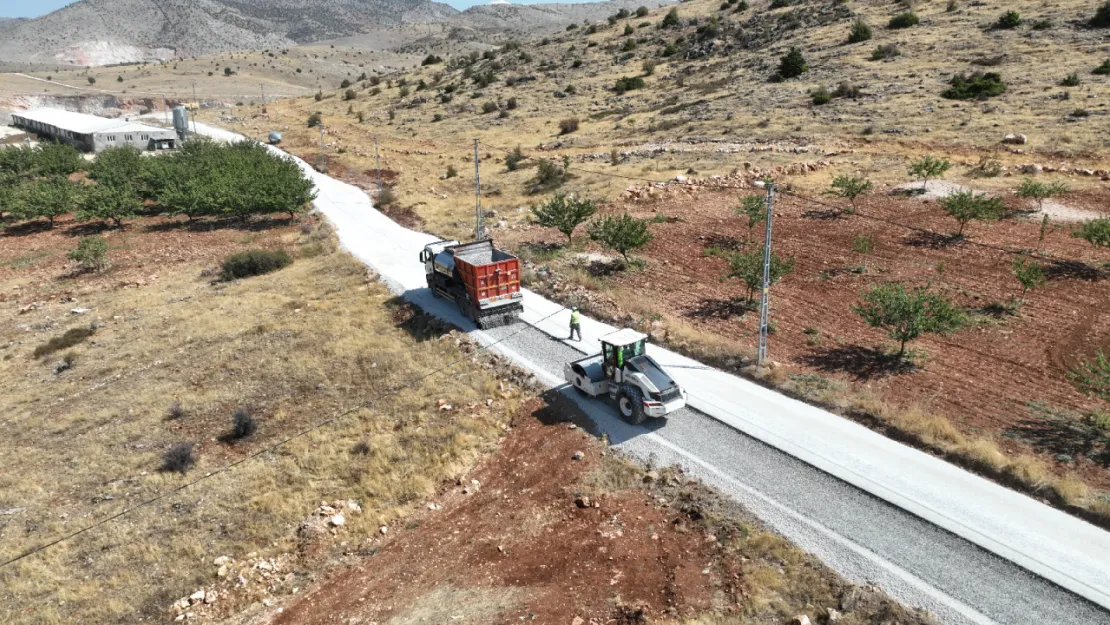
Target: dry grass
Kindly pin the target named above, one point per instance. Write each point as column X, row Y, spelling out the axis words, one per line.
column 294, row 347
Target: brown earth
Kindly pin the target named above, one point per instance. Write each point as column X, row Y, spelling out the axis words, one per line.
column 535, row 535
column 1004, row 376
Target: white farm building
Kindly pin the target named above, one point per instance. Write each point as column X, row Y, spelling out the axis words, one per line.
column 91, row 133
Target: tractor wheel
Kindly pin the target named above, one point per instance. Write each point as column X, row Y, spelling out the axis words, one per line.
column 631, row 404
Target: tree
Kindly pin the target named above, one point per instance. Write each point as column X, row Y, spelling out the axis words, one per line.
column 119, row 166
column 850, row 188
column 754, row 207
column 1092, row 377
column 906, row 315
column 747, row 267
column 860, row 32
column 1008, row 20
column 58, row 159
column 228, row 71
column 92, row 81
column 964, row 206
column 928, row 167
column 91, row 253
column 621, row 233
column 109, row 202
column 670, row 20
column 1096, row 232
column 1039, row 191
column 791, row 65
column 19, row 161
column 50, row 198
column 1029, row 273
column 9, row 193
column 564, row 214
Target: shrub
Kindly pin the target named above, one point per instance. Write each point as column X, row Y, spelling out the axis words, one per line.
column 820, row 96
column 431, row 59
column 175, row 412
column 1040, row 191
column 648, row 67
column 254, row 263
column 904, row 20
column 314, row 120
column 346, row 83
column 628, row 83
column 792, row 64
column 1008, row 20
column 451, row 172
column 179, row 458
column 622, row 233
column 564, row 214
column 885, row 51
column 349, row 94
column 1102, row 70
column 669, row 50
column 1101, row 18
column 965, row 206
column 747, row 267
column 670, row 20
column 91, row 253
column 628, row 30
column 642, row 12
column 1092, row 377
column 489, row 107
column 1080, row 113
column 1071, row 80
column 242, row 424
column 860, row 32
column 1042, row 24
column 1096, row 232
column 319, row 96
column 906, row 315
column 549, row 174
column 629, row 45
column 92, row 81
column 977, row 86
column 514, row 158
column 386, row 197
column 568, row 125
column 70, row 338
column 779, row 4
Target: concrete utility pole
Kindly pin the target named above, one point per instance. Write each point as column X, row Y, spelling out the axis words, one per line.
column 323, row 151
column 196, row 112
column 478, row 229
column 166, row 106
column 765, row 302
column 378, row 159
column 263, row 88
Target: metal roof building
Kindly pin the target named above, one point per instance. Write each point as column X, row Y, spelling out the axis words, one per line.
column 92, row 133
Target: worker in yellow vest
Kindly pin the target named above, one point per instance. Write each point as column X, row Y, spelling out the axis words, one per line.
column 575, row 324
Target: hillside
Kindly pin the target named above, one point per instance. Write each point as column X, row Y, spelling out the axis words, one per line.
column 104, row 32
column 673, row 118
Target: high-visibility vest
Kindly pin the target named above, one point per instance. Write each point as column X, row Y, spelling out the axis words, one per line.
column 575, row 318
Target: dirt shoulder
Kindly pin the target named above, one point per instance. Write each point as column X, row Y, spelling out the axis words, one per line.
column 555, row 529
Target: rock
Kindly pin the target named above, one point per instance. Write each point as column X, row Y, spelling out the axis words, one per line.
column 582, row 502
column 337, row 520
column 384, row 530
column 832, row 616
column 1015, row 139
column 577, row 621
column 353, row 506
column 651, row 476
column 210, row 597
column 222, row 560
column 222, row 571
column 79, row 311
column 1033, row 168
column 579, row 455
column 197, row 596
column 801, row 619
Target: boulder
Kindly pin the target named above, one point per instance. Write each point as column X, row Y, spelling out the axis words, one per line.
column 1015, row 139
column 801, row 619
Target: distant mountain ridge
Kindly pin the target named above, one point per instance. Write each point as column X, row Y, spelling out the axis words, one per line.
column 105, row 32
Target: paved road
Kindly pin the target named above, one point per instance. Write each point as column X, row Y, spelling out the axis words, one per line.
column 879, row 512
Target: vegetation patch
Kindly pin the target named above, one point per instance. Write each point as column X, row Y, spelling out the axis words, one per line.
column 254, row 263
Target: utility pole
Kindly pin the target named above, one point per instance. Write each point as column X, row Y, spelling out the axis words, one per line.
column 263, row 88
column 378, row 159
column 323, row 152
column 765, row 302
column 478, row 229
column 166, row 106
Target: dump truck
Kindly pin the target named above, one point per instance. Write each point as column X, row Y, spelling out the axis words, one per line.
column 482, row 280
column 624, row 372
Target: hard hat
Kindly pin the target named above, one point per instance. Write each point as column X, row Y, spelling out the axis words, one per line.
column 575, row 309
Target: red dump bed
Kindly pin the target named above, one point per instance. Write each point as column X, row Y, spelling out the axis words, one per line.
column 492, row 277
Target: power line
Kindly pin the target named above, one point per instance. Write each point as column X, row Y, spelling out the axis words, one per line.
column 269, row 449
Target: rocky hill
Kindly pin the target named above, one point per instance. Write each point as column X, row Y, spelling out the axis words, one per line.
column 105, row 32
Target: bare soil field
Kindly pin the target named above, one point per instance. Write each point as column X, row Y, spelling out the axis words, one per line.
column 553, row 529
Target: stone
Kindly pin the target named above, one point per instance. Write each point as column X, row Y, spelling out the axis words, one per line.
column 577, row 621
column 210, row 597
column 79, row 311
column 582, row 502
column 1015, row 139
column 222, row 571
column 337, row 520
column 353, row 506
column 832, row 616
column 801, row 619
column 579, row 455
column 222, row 560
column 651, row 476
column 197, row 596
column 384, row 530
column 1032, row 168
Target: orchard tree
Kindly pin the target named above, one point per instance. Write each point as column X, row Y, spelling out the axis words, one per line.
column 620, row 233
column 964, row 206
column 9, row 193
column 1029, row 273
column 91, row 253
column 58, row 159
column 754, row 207
column 907, row 314
column 564, row 214
column 49, row 198
column 119, row 166
column 747, row 267
column 1096, row 232
column 19, row 161
column 850, row 188
column 928, row 167
column 109, row 202
column 1040, row 191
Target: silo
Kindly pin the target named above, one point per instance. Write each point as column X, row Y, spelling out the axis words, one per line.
column 181, row 121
